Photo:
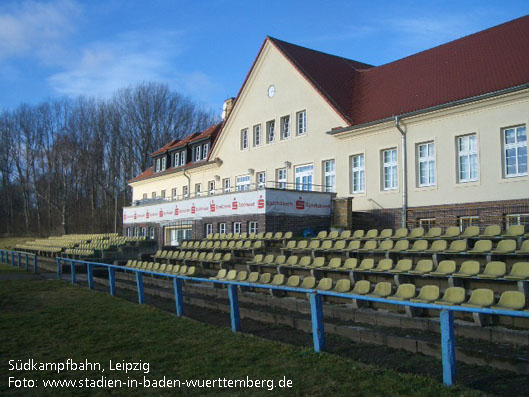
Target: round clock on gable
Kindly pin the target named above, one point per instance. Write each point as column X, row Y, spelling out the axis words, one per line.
column 271, row 91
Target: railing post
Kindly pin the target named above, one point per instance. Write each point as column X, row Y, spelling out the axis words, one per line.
column 139, row 283
column 12, row 258
column 112, row 281
column 448, row 347
column 316, row 313
column 27, row 261
column 234, row 308
column 90, row 276
column 178, row 297
column 59, row 267
column 72, row 267
column 19, row 256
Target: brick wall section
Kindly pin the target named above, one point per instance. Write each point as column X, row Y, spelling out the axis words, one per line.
column 342, row 215
column 297, row 224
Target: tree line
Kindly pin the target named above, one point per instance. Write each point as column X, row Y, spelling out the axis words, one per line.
column 65, row 163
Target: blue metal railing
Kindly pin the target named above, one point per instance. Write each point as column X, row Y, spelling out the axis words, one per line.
column 315, row 298
column 8, row 257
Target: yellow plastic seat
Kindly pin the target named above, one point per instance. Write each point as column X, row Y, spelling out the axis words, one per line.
column 433, row 232
column 453, row 296
column 321, row 235
column 481, row 297
column 176, row 269
column 268, row 259
column 423, row 266
column 366, row 264
column 491, row 231
column 400, row 233
column 305, row 261
column 350, row 263
column 358, row 234
column 183, row 270
column 437, row 246
column 354, row 245
column 419, row 246
column 444, row 268
column 279, row 279
column 384, row 265
column 253, row 277
column 369, row 245
column 493, row 270
column 191, row 271
column 519, row 271
column 326, row 245
column 334, row 263
column 385, row 234
column 280, row 259
column 481, row 247
column 514, row 231
column 524, row 249
column 382, row 290
column 257, row 260
column 346, row 234
column 361, row 287
column 505, row 247
column 293, row 281
column 451, row 232
column 325, row 284
column 231, row 275
column 402, row 266
column 470, row 231
column 332, row 235
column 404, row 292
column 457, row 246
column 265, row 278
column 220, row 275
column 242, row 275
column 468, row 269
column 427, row 294
column 371, row 234
column 169, row 269
column 318, row 262
column 510, row 300
column 384, row 245
column 162, row 267
column 400, row 245
column 292, row 261
column 314, row 244
column 418, row 232
column 338, row 246
column 343, row 285
column 308, row 283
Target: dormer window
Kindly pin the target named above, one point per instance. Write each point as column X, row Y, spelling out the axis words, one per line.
column 205, row 150
column 176, row 159
column 164, row 163
column 198, row 149
column 183, row 157
column 157, row 165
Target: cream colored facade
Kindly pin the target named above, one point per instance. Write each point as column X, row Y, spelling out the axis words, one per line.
column 294, row 93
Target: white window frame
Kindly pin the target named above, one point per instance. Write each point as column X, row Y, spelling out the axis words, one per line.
column 205, row 151
column 271, row 131
column 153, row 195
column 390, row 166
column 426, row 163
column 183, row 157
column 257, row 136
column 261, row 179
column 222, row 228
column 237, row 227
column 158, row 165
column 144, row 196
column 198, row 151
column 518, row 146
column 162, row 193
column 174, row 193
column 301, row 123
column 304, row 177
column 198, row 189
column 517, row 219
column 152, row 234
column 208, row 229
column 467, row 149
column 128, row 232
column 358, row 173
column 285, row 127
column 143, row 232
column 466, row 221
column 427, row 223
column 185, row 191
column 226, row 184
column 243, row 183
column 176, row 159
column 281, row 178
column 136, row 231
column 329, row 175
column 244, row 139
column 253, row 227
column 164, row 163
column 211, row 188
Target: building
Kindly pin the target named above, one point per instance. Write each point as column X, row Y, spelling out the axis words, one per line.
column 439, row 137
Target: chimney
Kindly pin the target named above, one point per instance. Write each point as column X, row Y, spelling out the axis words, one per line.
column 227, row 107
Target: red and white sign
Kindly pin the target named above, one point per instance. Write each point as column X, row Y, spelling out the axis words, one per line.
column 270, row 201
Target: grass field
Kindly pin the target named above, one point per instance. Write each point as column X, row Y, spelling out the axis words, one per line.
column 52, row 321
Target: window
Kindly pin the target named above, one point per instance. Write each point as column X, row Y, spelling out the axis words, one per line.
column 304, row 174
column 198, row 189
column 211, row 188
column 244, row 139
column 329, row 176
column 176, row 159
column 183, row 157
column 153, row 195
column 208, row 229
column 271, row 131
column 389, row 160
column 227, row 185
column 257, row 135
column 426, row 223
column 252, row 227
column 144, row 196
column 515, row 151
column 301, row 119
column 467, row 158
column 285, row 127
column 466, row 221
column 243, row 183
column 174, row 193
column 164, row 160
column 151, row 233
column 282, row 178
column 197, row 153
column 163, row 193
column 237, row 227
column 205, row 151
column 128, row 232
column 261, row 180
column 426, row 155
column 222, row 228
column 185, row 191
column 516, row 219
column 158, row 165
column 358, row 174
column 143, row 231
column 135, row 232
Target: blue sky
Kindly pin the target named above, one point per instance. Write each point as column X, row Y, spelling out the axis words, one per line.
column 204, row 49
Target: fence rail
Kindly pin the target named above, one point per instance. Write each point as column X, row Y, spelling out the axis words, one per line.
column 446, row 313
column 5, row 258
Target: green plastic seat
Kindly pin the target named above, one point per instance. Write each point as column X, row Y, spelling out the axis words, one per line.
column 325, row 284
column 451, row 232
column 382, row 290
column 385, row 233
column 514, row 231
column 384, row 265
column 418, row 232
column 493, row 270
column 481, row 247
column 519, row 271
column 343, row 285
column 404, row 292
column 510, row 300
column 457, row 246
column 366, row 264
column 384, row 245
column 293, row 281
column 279, row 279
column 453, row 296
column 369, row 245
column 308, row 283
column 481, row 297
column 423, row 266
column 468, row 269
column 427, row 294
column 358, row 234
column 265, row 278
column 433, row 232
column 491, row 231
column 505, row 247
column 470, row 231
column 242, row 275
column 437, row 246
column 350, row 263
column 419, row 246
column 524, row 249
column 402, row 266
column 361, row 287
column 253, row 277
column 445, row 268
column 371, row 234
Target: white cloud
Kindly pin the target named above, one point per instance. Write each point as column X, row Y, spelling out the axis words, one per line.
column 36, row 29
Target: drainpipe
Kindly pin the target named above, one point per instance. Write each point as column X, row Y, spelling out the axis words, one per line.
column 404, row 172
column 188, row 184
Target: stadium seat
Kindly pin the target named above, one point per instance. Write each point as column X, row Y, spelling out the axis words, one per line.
column 404, row 292
column 371, row 234
column 505, row 247
column 354, row 245
column 321, row 235
column 452, row 296
column 480, row 298
column 361, row 287
column 169, row 269
column 382, row 290
column 433, row 232
column 253, row 277
column 338, row 246
column 383, row 266
column 230, row 276
column 524, row 249
column 418, row 246
column 279, row 279
column 280, row 259
column 332, row 235
column 325, row 284
column 491, row 232
column 423, row 266
column 318, row 262
column 385, row 234
column 304, row 261
column 308, row 283
column 400, row 246
column 265, row 278
column 519, row 271
column 268, row 259
column 384, row 246
column 358, row 234
column 445, row 268
column 293, row 281
column 366, row 265
column 451, row 232
column 291, row 261
column 242, row 275
column 400, row 233
column 469, row 232
column 334, row 263
column 468, row 269
column 368, row 246
column 514, row 231
column 350, row 264
column 345, row 235
column 510, row 300
column 493, row 270
column 343, row 285
column 257, row 260
column 416, row 233
column 427, row 294
column 220, row 275
column 403, row 266
column 437, row 246
column 457, row 246
column 481, row 247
